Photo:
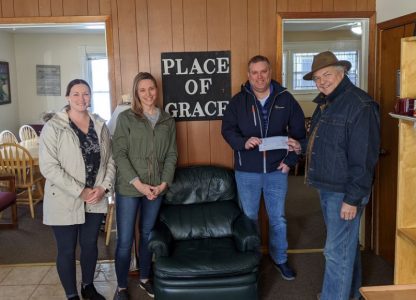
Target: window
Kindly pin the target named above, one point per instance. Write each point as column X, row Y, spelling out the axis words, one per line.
column 98, row 75
column 302, row 63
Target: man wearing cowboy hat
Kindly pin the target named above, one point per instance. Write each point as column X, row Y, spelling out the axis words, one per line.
column 341, row 154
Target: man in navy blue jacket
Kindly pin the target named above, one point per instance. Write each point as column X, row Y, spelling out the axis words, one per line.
column 263, row 108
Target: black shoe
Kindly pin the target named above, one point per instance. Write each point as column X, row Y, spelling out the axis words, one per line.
column 121, row 295
column 74, row 298
column 286, row 271
column 89, row 292
column 147, row 286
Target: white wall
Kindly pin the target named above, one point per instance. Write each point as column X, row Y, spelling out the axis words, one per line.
column 9, row 112
column 389, row 9
column 66, row 50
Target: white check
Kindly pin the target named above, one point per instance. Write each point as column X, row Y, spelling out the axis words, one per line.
column 272, row 143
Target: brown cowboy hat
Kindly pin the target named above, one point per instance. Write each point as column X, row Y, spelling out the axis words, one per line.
column 323, row 60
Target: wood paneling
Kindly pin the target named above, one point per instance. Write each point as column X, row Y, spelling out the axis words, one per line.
column 105, row 7
column 127, row 43
column 26, row 8
column 299, row 5
column 93, row 7
column 142, row 20
column 343, row 5
column 327, row 5
column 267, row 32
column 253, row 28
column 160, row 38
column 75, row 7
column 316, row 5
column 281, row 6
column 116, row 53
column 219, row 38
column 45, row 8
column 57, row 8
column 7, row 8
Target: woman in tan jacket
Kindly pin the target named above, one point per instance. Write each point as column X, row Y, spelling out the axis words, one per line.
column 75, row 158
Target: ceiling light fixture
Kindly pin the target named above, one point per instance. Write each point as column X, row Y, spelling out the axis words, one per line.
column 356, row 29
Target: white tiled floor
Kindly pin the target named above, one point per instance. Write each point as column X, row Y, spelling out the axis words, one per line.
column 23, row 282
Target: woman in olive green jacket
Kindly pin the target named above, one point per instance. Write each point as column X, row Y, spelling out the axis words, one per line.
column 144, row 149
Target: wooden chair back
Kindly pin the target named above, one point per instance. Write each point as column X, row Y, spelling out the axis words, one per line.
column 6, row 136
column 26, row 132
column 16, row 160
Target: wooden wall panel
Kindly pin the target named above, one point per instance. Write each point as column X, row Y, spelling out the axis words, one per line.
column 219, row 38
column 93, row 7
column 160, row 37
column 7, row 8
column 316, row 5
column 281, row 5
column 128, row 44
column 327, row 5
column 195, row 25
column 75, row 7
column 177, row 46
column 45, row 8
column 253, row 28
column 268, row 38
column 142, row 20
column 299, row 5
column 116, row 53
column 57, row 8
column 371, row 5
column 362, row 5
column 26, row 8
column 105, row 7
column 239, row 41
column 1, row 10
column 343, row 5
column 195, row 38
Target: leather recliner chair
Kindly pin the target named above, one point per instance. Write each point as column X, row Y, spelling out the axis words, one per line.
column 205, row 247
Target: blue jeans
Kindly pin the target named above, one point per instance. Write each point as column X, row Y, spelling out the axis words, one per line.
column 66, row 237
column 342, row 277
column 274, row 187
column 126, row 211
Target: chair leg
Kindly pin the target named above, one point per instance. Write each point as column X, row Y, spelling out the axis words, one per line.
column 32, row 208
column 109, row 224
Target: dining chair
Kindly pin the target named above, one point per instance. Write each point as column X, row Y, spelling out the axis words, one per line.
column 26, row 132
column 6, row 136
column 8, row 200
column 16, row 160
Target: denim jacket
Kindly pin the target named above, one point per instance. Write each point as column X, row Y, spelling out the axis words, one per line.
column 344, row 143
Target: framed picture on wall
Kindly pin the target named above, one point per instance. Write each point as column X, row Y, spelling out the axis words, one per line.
column 5, row 96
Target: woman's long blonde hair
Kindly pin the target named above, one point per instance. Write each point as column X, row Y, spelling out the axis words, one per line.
column 136, row 105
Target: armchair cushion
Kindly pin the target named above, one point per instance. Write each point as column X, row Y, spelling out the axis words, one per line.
column 206, row 258
column 160, row 240
column 245, row 233
column 6, row 199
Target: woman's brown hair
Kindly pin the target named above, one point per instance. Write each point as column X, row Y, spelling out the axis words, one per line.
column 136, row 105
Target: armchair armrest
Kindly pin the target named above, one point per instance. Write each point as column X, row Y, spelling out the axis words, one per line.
column 160, row 240
column 245, row 234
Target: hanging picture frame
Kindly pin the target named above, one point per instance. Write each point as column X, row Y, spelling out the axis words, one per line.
column 5, row 96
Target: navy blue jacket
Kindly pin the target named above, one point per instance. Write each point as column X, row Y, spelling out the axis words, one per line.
column 344, row 141
column 242, row 120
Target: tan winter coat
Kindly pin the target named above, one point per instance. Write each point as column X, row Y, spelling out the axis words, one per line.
column 62, row 164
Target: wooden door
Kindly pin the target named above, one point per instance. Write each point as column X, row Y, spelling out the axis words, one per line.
column 388, row 64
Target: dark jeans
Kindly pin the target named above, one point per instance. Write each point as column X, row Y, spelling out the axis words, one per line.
column 66, row 240
column 126, row 211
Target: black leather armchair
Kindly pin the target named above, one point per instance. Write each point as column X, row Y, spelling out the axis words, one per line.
column 205, row 247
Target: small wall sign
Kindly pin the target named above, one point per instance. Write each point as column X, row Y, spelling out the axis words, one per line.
column 48, row 80
column 196, row 85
